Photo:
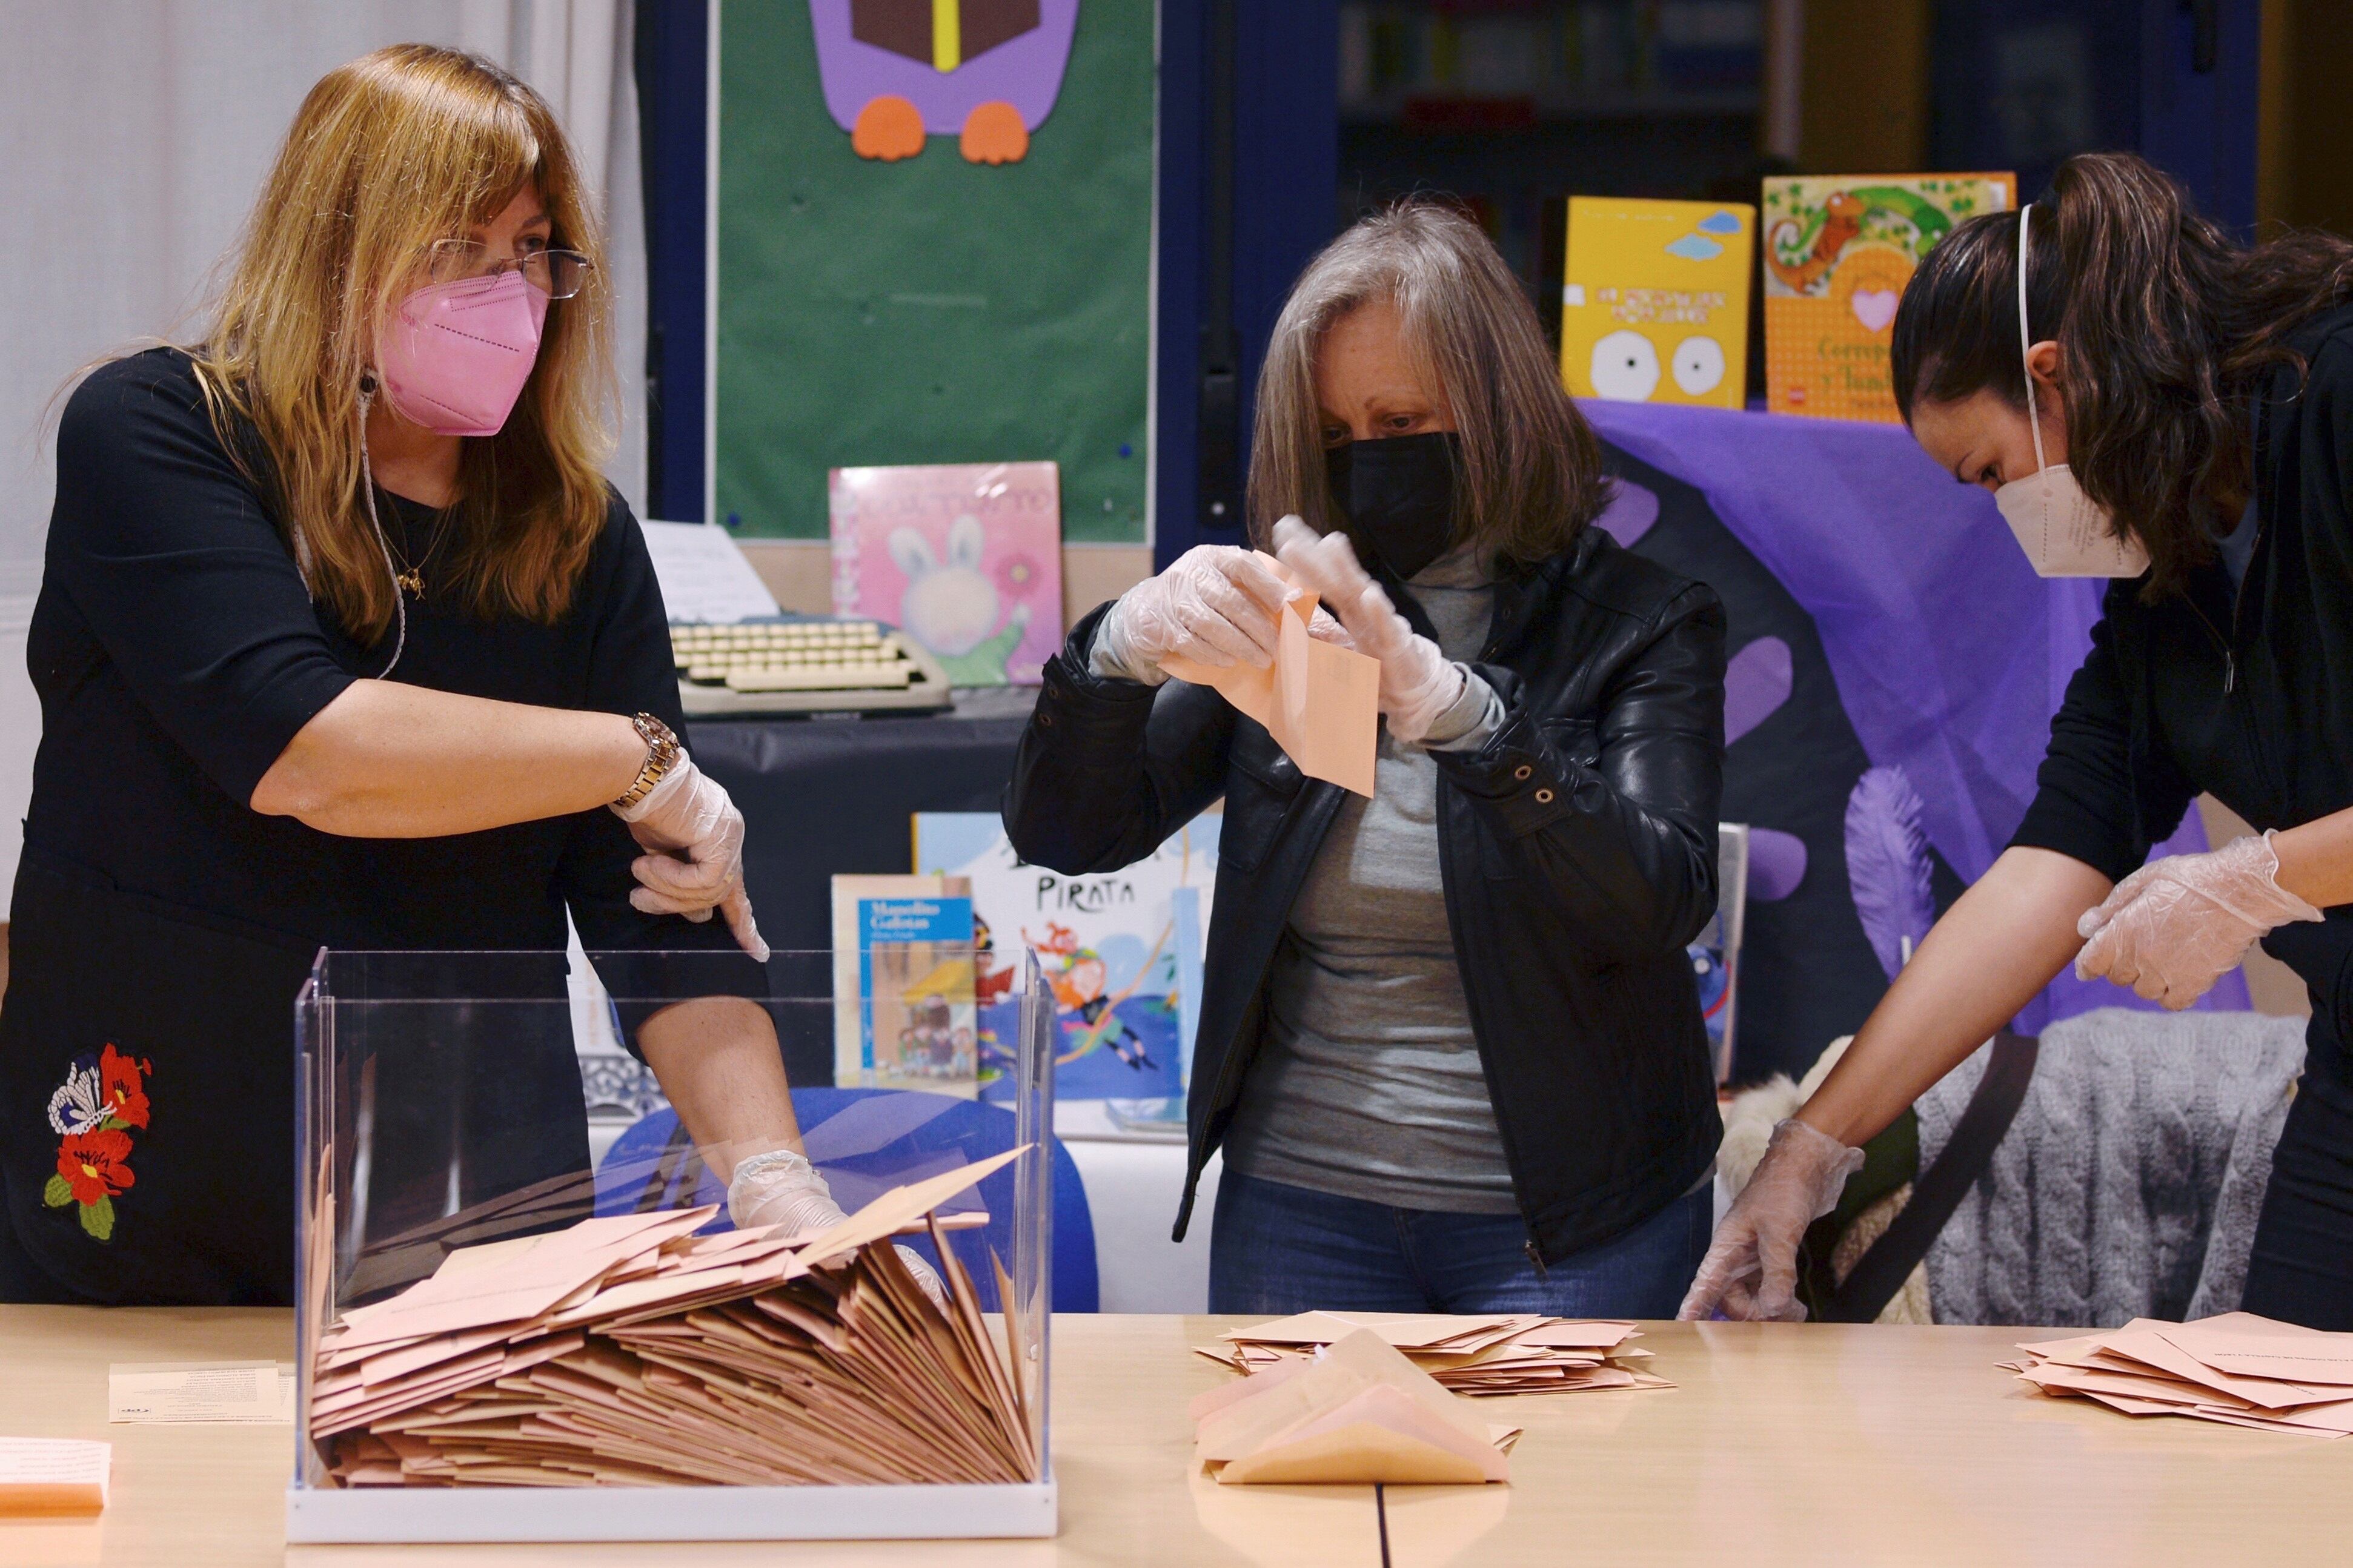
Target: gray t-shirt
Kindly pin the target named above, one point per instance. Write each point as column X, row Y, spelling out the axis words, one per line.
column 1367, row 1082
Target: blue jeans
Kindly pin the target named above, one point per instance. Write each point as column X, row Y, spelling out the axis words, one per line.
column 1278, row 1249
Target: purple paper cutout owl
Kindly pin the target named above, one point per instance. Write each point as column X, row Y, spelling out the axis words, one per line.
column 895, row 72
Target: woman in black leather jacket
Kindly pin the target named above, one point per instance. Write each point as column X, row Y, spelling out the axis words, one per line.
column 1449, row 1035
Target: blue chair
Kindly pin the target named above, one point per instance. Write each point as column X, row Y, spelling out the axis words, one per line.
column 866, row 1141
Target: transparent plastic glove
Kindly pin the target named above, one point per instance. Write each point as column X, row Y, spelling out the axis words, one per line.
column 1419, row 682
column 1217, row 603
column 1324, row 628
column 687, row 813
column 1750, row 1271
column 782, row 1188
column 2177, row 925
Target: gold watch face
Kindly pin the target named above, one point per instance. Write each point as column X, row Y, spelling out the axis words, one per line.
column 659, row 735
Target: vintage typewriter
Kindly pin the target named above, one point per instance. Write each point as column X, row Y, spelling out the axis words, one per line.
column 803, row 664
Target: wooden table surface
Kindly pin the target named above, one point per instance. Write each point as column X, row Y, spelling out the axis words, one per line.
column 1799, row 1444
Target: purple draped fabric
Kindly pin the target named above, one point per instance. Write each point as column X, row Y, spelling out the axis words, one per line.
column 1949, row 653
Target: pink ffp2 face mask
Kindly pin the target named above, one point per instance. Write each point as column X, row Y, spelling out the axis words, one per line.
column 455, row 356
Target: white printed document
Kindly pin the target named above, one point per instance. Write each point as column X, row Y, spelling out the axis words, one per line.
column 49, row 1475
column 703, row 575
column 198, row 1390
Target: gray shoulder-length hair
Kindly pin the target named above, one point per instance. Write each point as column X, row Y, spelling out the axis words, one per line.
column 1532, row 475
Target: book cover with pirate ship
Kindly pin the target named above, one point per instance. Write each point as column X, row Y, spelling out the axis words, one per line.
column 1837, row 250
column 1121, row 951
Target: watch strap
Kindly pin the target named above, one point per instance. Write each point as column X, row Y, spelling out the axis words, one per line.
column 662, row 755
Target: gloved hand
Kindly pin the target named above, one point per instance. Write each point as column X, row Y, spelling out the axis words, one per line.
column 1324, row 628
column 2172, row 928
column 1216, row 604
column 688, row 811
column 1419, row 682
column 782, row 1188
column 1750, row 1271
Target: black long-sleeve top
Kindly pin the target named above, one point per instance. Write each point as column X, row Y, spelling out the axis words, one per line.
column 2244, row 693
column 176, row 653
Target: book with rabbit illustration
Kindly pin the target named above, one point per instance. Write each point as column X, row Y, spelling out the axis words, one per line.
column 1654, row 301
column 1837, row 250
column 964, row 558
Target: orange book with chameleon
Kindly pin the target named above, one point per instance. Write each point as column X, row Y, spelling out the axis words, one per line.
column 1838, row 250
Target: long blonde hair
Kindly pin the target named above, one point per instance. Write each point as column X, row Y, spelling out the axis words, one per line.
column 388, row 154
column 1532, row 468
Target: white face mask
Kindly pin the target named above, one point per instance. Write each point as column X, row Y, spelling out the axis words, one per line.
column 2064, row 532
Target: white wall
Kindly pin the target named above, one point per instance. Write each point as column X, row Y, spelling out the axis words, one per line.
column 134, row 135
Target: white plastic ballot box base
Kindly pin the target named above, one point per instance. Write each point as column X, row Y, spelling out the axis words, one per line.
column 394, row 1514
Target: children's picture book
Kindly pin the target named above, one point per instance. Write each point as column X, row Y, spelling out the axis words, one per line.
column 1837, row 250
column 902, row 987
column 1121, row 951
column 965, row 558
column 1654, row 301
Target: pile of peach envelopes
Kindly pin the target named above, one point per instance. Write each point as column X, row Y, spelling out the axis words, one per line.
column 1358, row 1413
column 1498, row 1353
column 2238, row 1369
column 627, row 1351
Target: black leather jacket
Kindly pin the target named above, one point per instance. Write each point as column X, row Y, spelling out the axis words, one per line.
column 1577, row 851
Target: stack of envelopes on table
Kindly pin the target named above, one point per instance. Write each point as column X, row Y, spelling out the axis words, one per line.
column 1358, row 1414
column 2238, row 1369
column 627, row 1351
column 1498, row 1353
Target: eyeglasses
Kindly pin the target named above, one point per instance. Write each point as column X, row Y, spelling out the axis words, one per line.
column 559, row 274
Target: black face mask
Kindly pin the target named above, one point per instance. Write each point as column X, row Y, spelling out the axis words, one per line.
column 1397, row 496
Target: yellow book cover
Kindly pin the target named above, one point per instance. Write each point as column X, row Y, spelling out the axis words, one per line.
column 1837, row 250
column 1654, row 304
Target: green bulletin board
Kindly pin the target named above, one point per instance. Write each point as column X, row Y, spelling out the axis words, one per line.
column 931, row 309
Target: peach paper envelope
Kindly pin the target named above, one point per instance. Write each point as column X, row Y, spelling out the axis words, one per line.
column 1360, row 1413
column 1378, row 1436
column 2245, row 1345
column 1321, row 703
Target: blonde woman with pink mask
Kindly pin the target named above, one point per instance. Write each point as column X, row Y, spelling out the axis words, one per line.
column 345, row 641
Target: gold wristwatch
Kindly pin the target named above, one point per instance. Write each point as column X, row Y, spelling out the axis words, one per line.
column 662, row 753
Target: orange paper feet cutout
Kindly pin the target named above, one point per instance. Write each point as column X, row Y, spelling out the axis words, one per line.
column 993, row 133
column 889, row 128
column 1321, row 703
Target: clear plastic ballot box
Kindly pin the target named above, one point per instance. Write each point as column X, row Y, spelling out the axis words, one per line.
column 498, row 1342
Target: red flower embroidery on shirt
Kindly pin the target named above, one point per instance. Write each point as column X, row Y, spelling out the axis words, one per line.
column 94, row 1164
column 122, row 1085
column 102, row 1098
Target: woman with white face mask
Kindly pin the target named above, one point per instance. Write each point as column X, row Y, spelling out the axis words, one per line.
column 2152, row 402
column 343, row 640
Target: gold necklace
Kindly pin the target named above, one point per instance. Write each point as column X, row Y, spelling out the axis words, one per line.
column 411, row 576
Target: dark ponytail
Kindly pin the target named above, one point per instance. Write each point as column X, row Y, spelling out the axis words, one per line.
column 2165, row 326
